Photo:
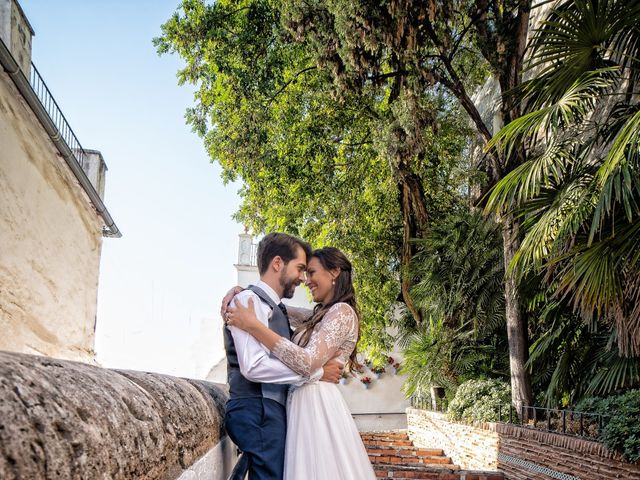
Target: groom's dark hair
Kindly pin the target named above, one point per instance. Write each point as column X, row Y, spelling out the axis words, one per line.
column 279, row 245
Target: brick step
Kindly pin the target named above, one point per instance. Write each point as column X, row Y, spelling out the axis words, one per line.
column 400, row 475
column 394, row 456
column 404, row 450
column 411, row 460
column 401, row 472
column 385, row 434
column 391, row 443
column 386, row 441
column 414, row 471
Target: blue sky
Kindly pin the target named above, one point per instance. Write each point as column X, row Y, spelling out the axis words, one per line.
column 160, row 283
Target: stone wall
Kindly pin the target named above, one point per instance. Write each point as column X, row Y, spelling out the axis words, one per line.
column 532, row 454
column 51, row 240
column 470, row 447
column 521, row 453
column 68, row 420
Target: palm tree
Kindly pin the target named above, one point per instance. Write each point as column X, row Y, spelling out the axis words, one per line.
column 570, row 362
column 458, row 278
column 578, row 191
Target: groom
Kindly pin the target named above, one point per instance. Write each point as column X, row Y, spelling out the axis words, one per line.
column 255, row 418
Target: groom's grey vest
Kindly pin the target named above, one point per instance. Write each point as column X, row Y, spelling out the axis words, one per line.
column 240, row 387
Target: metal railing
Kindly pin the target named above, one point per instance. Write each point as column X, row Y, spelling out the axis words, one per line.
column 57, row 117
column 566, row 422
column 426, row 402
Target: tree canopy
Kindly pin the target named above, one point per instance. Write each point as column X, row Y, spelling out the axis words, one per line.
column 316, row 161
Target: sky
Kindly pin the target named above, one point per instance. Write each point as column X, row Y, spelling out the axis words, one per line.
column 161, row 283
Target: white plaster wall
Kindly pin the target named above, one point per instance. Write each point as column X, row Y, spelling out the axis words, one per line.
column 382, row 396
column 50, row 242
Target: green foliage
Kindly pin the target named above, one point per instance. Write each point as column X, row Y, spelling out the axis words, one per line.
column 570, row 361
column 458, row 274
column 323, row 166
column 480, row 400
column 429, row 359
column 578, row 189
column 621, row 431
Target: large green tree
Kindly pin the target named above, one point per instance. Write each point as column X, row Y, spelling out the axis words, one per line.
column 315, row 161
column 404, row 49
column 401, row 68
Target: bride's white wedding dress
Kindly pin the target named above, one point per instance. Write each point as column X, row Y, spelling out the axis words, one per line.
column 323, row 442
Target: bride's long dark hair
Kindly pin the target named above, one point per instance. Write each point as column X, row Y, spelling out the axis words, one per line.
column 331, row 259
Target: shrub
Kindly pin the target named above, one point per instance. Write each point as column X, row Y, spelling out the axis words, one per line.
column 621, row 430
column 479, row 400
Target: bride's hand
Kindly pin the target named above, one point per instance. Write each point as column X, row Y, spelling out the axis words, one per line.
column 227, row 299
column 242, row 317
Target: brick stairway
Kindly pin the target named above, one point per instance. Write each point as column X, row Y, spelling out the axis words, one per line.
column 393, row 455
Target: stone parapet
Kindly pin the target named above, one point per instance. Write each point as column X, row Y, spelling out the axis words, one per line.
column 68, row 420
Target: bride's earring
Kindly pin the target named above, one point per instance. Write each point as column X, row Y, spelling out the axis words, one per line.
column 333, row 282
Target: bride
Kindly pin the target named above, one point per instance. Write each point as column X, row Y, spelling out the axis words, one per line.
column 322, row 439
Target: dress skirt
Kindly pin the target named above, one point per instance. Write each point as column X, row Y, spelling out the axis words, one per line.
column 323, row 442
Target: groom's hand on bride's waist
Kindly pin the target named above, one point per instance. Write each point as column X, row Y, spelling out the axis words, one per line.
column 332, row 370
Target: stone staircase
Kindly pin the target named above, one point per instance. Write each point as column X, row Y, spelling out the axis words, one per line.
column 393, row 455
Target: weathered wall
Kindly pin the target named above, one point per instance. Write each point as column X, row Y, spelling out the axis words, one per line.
column 50, row 242
column 470, row 447
column 521, row 453
column 69, row 420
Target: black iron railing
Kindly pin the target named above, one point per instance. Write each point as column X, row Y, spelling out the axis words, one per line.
column 427, row 402
column 57, row 117
column 566, row 422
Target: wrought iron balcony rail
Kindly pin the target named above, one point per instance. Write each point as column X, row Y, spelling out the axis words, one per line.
column 57, row 117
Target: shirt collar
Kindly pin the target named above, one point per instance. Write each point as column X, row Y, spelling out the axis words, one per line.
column 269, row 291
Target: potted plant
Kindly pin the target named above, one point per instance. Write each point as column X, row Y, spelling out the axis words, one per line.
column 378, row 371
column 366, row 381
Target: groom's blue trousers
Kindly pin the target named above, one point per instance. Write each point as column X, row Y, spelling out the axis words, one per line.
column 258, row 426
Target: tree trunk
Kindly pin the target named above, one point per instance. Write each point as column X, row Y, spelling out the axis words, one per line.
column 517, row 333
column 409, row 231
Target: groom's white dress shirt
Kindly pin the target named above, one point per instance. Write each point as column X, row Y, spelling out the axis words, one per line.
column 256, row 363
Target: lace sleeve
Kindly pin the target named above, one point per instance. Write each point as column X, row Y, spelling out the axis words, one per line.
column 338, row 326
column 298, row 316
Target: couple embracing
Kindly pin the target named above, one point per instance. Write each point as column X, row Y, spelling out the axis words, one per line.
column 285, row 411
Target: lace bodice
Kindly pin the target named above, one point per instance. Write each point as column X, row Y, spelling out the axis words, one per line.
column 336, row 332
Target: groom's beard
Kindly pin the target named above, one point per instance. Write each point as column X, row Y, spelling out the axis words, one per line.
column 288, row 286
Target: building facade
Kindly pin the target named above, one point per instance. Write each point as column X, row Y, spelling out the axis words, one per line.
column 52, row 215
